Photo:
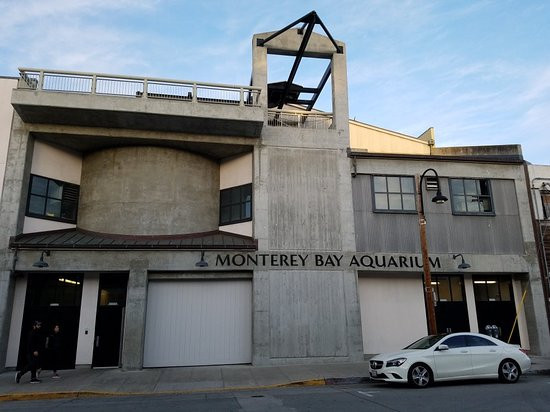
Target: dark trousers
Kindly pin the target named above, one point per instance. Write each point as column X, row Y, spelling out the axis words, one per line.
column 32, row 365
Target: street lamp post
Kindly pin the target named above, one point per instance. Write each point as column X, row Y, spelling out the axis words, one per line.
column 438, row 198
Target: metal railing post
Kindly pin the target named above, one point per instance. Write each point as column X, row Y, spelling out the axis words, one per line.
column 194, row 96
column 241, row 97
column 145, row 87
column 40, row 80
column 94, row 84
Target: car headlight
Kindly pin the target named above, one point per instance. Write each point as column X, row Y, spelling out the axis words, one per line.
column 396, row 362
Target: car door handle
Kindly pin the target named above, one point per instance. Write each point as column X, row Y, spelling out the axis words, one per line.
column 492, row 350
column 463, row 351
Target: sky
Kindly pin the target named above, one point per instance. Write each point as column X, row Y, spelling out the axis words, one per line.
column 476, row 71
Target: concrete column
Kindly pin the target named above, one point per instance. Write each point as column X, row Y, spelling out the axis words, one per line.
column 260, row 318
column 259, row 70
column 12, row 211
column 340, row 93
column 470, row 302
column 134, row 318
column 353, row 316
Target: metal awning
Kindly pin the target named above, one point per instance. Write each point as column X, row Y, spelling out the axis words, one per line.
column 77, row 238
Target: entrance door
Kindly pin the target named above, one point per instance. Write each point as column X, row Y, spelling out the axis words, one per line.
column 109, row 320
column 495, row 306
column 53, row 299
column 451, row 311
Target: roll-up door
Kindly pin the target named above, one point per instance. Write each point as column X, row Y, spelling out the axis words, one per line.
column 392, row 312
column 198, row 322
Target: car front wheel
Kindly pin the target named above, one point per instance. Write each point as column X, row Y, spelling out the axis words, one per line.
column 420, row 375
column 508, row 371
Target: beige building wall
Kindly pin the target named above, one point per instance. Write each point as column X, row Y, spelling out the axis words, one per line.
column 6, row 114
column 237, row 171
column 55, row 163
column 377, row 140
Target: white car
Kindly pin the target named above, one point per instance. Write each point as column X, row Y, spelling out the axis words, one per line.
column 454, row 356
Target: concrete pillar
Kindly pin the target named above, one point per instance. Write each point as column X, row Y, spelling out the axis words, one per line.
column 134, row 318
column 340, row 108
column 12, row 212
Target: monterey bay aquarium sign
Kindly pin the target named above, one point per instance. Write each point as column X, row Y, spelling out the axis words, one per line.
column 327, row 261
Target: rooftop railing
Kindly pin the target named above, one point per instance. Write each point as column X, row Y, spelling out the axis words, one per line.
column 137, row 87
column 296, row 119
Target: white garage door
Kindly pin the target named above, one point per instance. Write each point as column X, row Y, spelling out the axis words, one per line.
column 393, row 313
column 206, row 322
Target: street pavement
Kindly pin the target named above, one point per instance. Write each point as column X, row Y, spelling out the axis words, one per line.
column 108, row 382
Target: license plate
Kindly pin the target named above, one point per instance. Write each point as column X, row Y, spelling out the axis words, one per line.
column 374, row 374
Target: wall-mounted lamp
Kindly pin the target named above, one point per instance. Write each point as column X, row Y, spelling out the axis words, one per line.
column 40, row 263
column 463, row 265
column 202, row 263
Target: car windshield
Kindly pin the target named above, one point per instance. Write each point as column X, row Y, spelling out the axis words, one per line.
column 425, row 342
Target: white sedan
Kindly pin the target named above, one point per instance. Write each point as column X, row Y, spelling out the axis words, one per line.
column 448, row 357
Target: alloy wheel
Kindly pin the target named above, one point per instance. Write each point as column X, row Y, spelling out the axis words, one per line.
column 420, row 376
column 509, row 371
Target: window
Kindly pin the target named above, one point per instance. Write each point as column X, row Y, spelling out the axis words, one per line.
column 52, row 199
column 394, row 193
column 448, row 288
column 478, row 341
column 236, row 204
column 493, row 290
column 455, row 342
column 471, row 196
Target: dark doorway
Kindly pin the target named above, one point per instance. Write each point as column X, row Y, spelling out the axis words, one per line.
column 109, row 320
column 451, row 311
column 495, row 306
column 53, row 299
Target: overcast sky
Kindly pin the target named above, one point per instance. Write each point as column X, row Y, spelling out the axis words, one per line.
column 477, row 71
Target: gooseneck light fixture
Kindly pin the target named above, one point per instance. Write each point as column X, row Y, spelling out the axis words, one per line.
column 202, row 263
column 439, row 198
column 40, row 263
column 463, row 265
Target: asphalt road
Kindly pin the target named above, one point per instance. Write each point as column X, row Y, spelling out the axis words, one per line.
column 531, row 393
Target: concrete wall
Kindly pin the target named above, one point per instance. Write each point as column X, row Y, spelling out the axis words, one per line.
column 377, row 140
column 6, row 114
column 148, row 190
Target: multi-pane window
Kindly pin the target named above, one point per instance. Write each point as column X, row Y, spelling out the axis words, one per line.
column 493, row 289
column 471, row 196
column 448, row 288
column 236, row 204
column 394, row 193
column 52, row 199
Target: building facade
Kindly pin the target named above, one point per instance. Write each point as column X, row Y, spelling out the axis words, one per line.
column 166, row 223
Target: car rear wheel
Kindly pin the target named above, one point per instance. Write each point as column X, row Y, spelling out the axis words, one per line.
column 509, row 371
column 420, row 375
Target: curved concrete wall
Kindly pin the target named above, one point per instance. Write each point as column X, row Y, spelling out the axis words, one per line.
column 148, row 191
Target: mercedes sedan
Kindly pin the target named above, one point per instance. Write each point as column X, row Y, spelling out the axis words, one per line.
column 454, row 356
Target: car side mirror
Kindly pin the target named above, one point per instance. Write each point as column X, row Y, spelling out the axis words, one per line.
column 442, row 347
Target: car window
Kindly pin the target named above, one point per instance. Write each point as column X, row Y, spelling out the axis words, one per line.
column 455, row 342
column 479, row 341
column 425, row 342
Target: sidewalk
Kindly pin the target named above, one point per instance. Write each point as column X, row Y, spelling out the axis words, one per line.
column 104, row 382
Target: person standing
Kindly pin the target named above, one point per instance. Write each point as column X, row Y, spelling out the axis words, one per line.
column 35, row 347
column 54, row 347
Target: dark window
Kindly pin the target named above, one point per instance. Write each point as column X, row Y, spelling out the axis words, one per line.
column 478, row 341
column 448, row 288
column 52, row 199
column 493, row 289
column 471, row 196
column 236, row 204
column 394, row 193
column 455, row 342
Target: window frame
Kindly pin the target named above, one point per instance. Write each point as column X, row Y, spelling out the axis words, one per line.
column 241, row 203
column 387, row 192
column 467, row 213
column 63, row 185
